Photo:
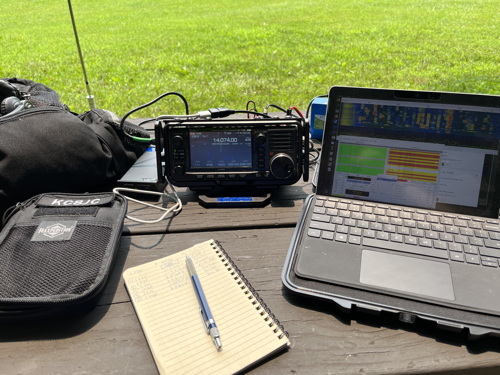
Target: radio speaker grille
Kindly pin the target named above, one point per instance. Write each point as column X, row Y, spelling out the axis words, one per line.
column 283, row 141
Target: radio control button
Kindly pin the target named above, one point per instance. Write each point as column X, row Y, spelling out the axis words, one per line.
column 261, row 155
column 178, row 140
column 231, row 176
column 258, row 175
column 199, row 177
column 179, row 170
column 266, row 175
column 242, row 176
column 210, row 176
column 261, row 139
column 261, row 149
column 262, row 160
column 221, row 176
column 281, row 166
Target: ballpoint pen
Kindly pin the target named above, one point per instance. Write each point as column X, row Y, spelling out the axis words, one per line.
column 206, row 316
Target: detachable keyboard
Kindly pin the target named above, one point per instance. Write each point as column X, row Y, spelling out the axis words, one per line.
column 466, row 239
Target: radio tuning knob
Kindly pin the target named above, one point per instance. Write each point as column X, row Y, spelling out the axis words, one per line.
column 261, row 138
column 281, row 166
column 179, row 170
column 178, row 140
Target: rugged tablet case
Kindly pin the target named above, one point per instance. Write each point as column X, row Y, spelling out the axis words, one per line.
column 56, row 252
column 475, row 325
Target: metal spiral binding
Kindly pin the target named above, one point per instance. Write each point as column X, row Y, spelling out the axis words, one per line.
column 245, row 284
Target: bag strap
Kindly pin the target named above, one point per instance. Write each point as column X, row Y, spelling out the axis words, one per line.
column 119, row 156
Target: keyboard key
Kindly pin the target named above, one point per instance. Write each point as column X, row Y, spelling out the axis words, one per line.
column 341, row 237
column 318, row 217
column 432, row 219
column 319, row 203
column 322, row 226
column 437, row 227
column 417, row 232
column 403, row 230
column 457, row 257
column 376, row 226
column 396, row 238
column 460, row 223
column 475, row 225
column 470, row 249
column 319, row 210
column 405, row 215
column 446, row 237
column 446, row 220
column 369, row 217
column 439, row 244
column 489, row 264
column 337, row 220
column 389, row 228
column 382, row 220
column 481, row 233
column 491, row 227
column 476, row 241
column 410, row 224
column 357, row 216
column 452, row 230
column 355, row 240
column 411, row 240
column 423, row 226
column 354, row 207
column 368, row 233
column 355, row 232
column 492, row 243
column 367, row 210
column 383, row 236
column 350, row 222
column 489, row 252
column 330, row 204
column 314, row 233
column 436, row 253
column 424, row 242
column 342, row 229
column 418, row 217
column 472, row 259
column 332, row 212
column 391, row 213
column 455, row 247
column 494, row 236
column 431, row 235
column 363, row 224
column 395, row 221
column 327, row 235
column 344, row 214
column 466, row 232
column 460, row 239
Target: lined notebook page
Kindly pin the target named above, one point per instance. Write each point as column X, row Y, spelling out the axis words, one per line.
column 165, row 302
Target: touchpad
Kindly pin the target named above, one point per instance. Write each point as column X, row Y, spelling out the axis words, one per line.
column 406, row 274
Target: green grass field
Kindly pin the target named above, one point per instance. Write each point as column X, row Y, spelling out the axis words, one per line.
column 224, row 54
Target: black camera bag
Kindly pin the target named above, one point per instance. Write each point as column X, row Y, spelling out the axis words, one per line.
column 56, row 252
column 48, row 148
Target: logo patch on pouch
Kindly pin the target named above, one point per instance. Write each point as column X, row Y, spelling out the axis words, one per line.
column 54, row 231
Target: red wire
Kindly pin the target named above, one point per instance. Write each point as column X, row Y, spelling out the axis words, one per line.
column 254, row 108
column 297, row 110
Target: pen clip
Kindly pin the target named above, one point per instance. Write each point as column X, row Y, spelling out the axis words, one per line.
column 205, row 323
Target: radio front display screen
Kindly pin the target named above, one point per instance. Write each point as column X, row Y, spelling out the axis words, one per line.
column 220, row 149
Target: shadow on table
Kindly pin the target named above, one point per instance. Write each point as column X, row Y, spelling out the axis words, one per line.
column 72, row 325
column 387, row 320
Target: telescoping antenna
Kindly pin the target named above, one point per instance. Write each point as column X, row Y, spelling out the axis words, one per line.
column 90, row 97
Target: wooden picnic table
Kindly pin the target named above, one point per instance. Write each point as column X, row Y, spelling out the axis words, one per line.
column 324, row 340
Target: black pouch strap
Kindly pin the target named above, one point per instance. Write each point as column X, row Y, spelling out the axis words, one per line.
column 119, row 156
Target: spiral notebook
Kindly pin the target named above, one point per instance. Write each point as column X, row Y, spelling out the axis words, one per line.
column 167, row 308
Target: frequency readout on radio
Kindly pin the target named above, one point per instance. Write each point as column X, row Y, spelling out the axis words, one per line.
column 221, row 149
